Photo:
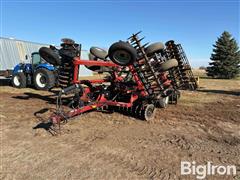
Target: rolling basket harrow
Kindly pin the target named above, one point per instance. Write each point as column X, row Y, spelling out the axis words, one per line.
column 139, row 78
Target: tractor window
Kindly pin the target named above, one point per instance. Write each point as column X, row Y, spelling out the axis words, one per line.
column 36, row 59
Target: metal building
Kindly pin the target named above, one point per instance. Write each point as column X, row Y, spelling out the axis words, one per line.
column 13, row 51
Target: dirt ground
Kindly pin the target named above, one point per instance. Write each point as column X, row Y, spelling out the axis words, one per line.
column 204, row 126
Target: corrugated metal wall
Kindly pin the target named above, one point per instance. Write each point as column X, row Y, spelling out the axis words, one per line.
column 13, row 51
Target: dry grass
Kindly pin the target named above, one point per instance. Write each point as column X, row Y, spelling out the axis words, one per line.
column 200, row 73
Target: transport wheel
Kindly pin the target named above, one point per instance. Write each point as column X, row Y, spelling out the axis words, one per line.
column 129, row 110
column 98, row 52
column 139, row 111
column 154, row 48
column 148, row 112
column 68, row 41
column 43, row 79
column 169, row 42
column 122, row 53
column 19, row 80
column 169, row 64
column 173, row 99
column 134, row 109
column 162, row 102
column 178, row 94
column 93, row 68
column 50, row 56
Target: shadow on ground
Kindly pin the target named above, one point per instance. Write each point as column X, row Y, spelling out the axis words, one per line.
column 51, row 99
column 44, row 123
column 234, row 93
column 5, row 82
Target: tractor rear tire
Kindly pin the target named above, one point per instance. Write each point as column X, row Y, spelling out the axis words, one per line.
column 169, row 64
column 44, row 79
column 50, row 56
column 154, row 48
column 19, row 80
column 122, row 53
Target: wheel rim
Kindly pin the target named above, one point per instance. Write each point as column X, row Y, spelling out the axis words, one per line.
column 149, row 112
column 122, row 57
column 16, row 80
column 166, row 100
column 41, row 80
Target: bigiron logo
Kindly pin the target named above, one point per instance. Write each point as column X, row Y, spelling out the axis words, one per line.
column 201, row 171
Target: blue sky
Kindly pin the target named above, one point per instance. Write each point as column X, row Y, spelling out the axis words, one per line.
column 195, row 24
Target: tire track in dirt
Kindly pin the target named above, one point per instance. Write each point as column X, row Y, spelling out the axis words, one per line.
column 125, row 161
column 132, row 166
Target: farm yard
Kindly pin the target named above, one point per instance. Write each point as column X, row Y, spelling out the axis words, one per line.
column 203, row 126
column 119, row 90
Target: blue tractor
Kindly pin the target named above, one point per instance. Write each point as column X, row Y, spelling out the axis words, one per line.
column 38, row 73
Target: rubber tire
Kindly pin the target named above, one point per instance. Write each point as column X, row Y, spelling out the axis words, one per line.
column 162, row 103
column 124, row 47
column 98, row 52
column 50, row 56
column 148, row 117
column 68, row 41
column 50, row 79
column 169, row 42
column 93, row 68
column 22, row 79
column 173, row 99
column 92, row 57
column 154, row 48
column 169, row 64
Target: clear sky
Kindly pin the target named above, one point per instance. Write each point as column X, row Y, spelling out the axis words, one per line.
column 195, row 24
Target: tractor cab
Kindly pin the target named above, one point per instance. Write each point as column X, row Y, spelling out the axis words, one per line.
column 36, row 59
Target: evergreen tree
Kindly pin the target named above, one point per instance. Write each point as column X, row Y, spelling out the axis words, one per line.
column 225, row 58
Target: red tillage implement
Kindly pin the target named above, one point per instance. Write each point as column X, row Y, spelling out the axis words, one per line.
column 138, row 78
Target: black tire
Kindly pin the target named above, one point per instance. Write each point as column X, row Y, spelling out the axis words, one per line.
column 98, row 52
column 93, row 68
column 50, row 56
column 44, row 79
column 174, row 97
column 169, row 42
column 92, row 57
column 162, row 102
column 169, row 64
column 19, row 80
column 154, row 48
column 98, row 69
column 68, row 41
column 122, row 53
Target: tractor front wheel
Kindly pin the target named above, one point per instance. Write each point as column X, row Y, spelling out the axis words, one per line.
column 43, row 79
column 19, row 80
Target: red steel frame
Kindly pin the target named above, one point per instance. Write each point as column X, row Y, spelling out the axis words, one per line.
column 101, row 100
